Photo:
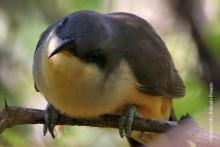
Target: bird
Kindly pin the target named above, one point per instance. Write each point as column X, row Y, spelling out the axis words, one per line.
column 88, row 64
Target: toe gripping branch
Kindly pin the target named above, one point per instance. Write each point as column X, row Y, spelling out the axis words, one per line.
column 51, row 115
column 126, row 121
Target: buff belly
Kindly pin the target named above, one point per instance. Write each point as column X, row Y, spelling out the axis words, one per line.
column 76, row 88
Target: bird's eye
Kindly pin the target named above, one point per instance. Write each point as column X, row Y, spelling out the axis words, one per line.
column 93, row 57
column 96, row 57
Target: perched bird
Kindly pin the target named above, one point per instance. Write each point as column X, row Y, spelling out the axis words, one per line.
column 88, row 64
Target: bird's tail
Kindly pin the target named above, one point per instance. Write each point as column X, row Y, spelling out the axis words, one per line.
column 149, row 137
column 134, row 143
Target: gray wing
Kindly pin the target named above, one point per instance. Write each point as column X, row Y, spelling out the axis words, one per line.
column 149, row 58
column 154, row 68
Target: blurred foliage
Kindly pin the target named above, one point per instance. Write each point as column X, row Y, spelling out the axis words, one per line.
column 212, row 36
column 22, row 22
column 212, row 32
column 195, row 99
column 13, row 138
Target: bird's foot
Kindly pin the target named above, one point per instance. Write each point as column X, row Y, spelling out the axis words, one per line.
column 50, row 117
column 126, row 121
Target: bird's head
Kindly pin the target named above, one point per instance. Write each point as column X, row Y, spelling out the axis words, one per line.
column 84, row 35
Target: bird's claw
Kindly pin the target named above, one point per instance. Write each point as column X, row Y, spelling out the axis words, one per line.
column 126, row 121
column 50, row 117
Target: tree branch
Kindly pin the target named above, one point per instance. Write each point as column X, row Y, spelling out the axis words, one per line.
column 179, row 132
column 11, row 116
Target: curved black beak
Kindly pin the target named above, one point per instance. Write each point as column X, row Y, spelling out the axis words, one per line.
column 56, row 45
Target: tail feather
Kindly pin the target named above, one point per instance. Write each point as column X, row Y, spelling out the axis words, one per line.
column 176, row 87
column 134, row 143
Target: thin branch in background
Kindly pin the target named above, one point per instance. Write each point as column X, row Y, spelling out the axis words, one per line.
column 190, row 11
